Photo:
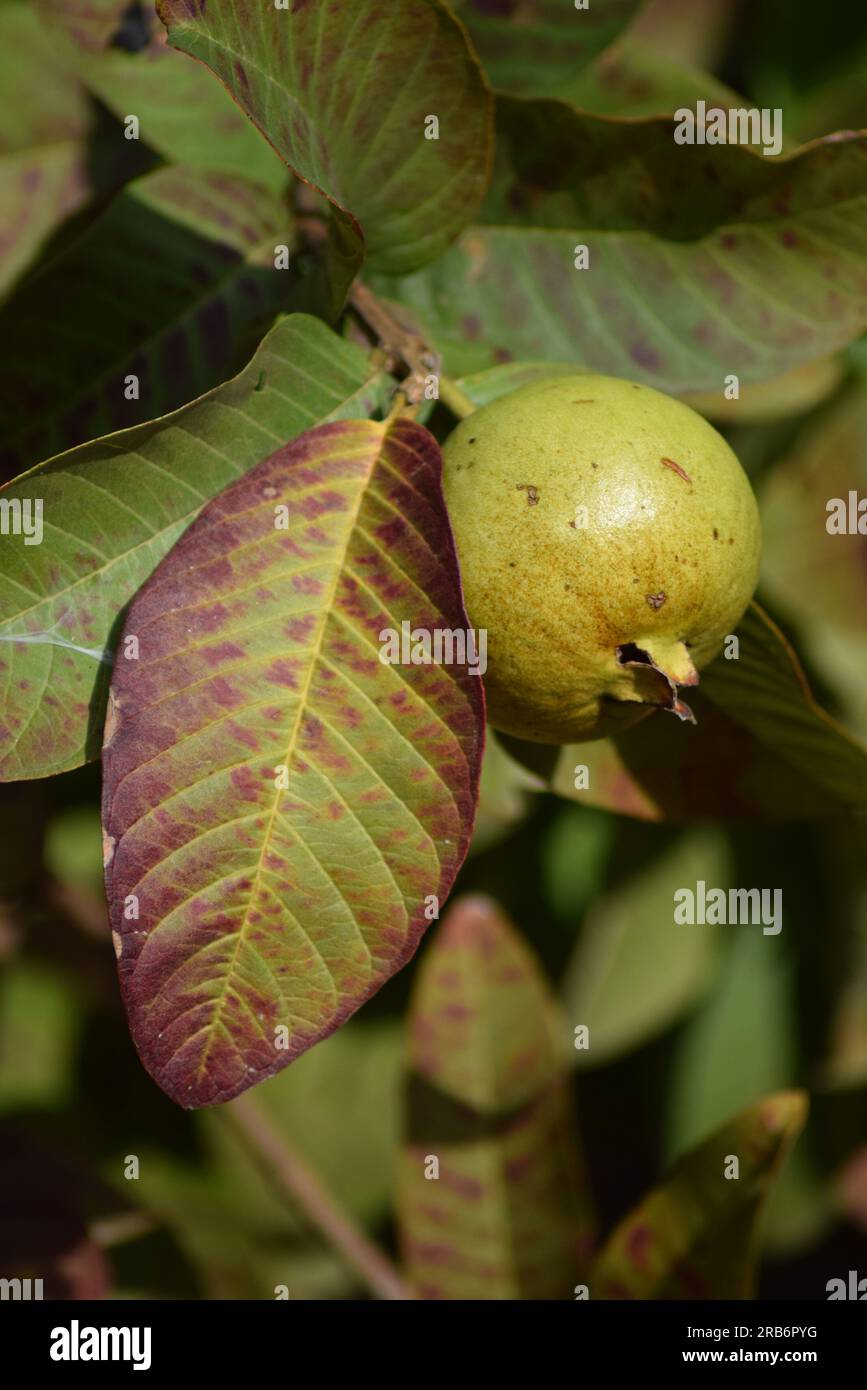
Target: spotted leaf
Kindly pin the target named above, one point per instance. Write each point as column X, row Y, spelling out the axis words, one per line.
column 492, row 1199
column 282, row 807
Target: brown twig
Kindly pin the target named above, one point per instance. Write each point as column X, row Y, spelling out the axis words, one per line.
column 303, row 1185
column 401, row 345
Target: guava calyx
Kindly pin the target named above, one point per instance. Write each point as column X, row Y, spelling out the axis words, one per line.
column 665, row 665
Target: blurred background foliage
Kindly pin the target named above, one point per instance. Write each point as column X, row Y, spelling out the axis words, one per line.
column 689, row 1026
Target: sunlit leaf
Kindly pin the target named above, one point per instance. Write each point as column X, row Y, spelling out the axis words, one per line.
column 142, row 332
column 344, row 97
column 702, row 259
column 506, row 1214
column 282, row 805
column 113, row 508
column 694, row 1236
column 814, row 577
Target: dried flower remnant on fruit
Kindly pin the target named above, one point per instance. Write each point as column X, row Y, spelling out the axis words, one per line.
column 532, row 492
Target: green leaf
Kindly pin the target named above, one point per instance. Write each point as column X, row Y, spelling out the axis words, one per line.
column 39, row 1026
column 279, row 803
column 762, row 748
column 536, row 47
column 122, row 57
column 338, row 1108
column 813, row 577
column 635, row 79
column 344, row 99
column 507, row 1215
column 699, row 256
column 73, row 848
column 503, row 795
column 43, row 154
column 741, row 1045
column 236, row 1255
column 635, row 970
column 179, row 321
column 112, row 510
column 489, row 385
column 695, row 1236
column 574, row 854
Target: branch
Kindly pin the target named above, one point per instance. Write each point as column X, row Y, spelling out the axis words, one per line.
column 400, row 344
column 303, row 1185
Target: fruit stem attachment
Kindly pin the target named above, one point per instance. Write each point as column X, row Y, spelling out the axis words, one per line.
column 457, row 400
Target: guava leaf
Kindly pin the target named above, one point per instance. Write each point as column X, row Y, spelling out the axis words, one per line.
column 634, row 970
column 113, row 508
column 280, row 805
column 344, row 96
column 338, row 1108
column 39, row 1027
column 236, row 1255
column 632, row 78
column 574, row 856
column 536, row 47
column 762, row 748
column 503, row 797
column 815, row 577
column 43, row 153
column 742, row 1044
column 508, row 1215
column 703, row 260
column 179, row 321
column 120, row 52
column 695, row 1236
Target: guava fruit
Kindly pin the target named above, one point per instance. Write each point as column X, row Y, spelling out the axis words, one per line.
column 608, row 540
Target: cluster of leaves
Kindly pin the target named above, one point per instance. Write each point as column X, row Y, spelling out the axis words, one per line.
column 189, row 353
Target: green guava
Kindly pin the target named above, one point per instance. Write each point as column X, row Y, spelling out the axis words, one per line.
column 608, row 540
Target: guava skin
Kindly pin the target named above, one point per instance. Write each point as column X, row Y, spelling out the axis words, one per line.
column 595, row 618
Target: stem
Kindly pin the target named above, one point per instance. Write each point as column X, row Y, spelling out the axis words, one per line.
column 303, row 1185
column 399, row 344
column 457, row 400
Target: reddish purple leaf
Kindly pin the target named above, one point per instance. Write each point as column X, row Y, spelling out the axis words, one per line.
column 272, row 904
